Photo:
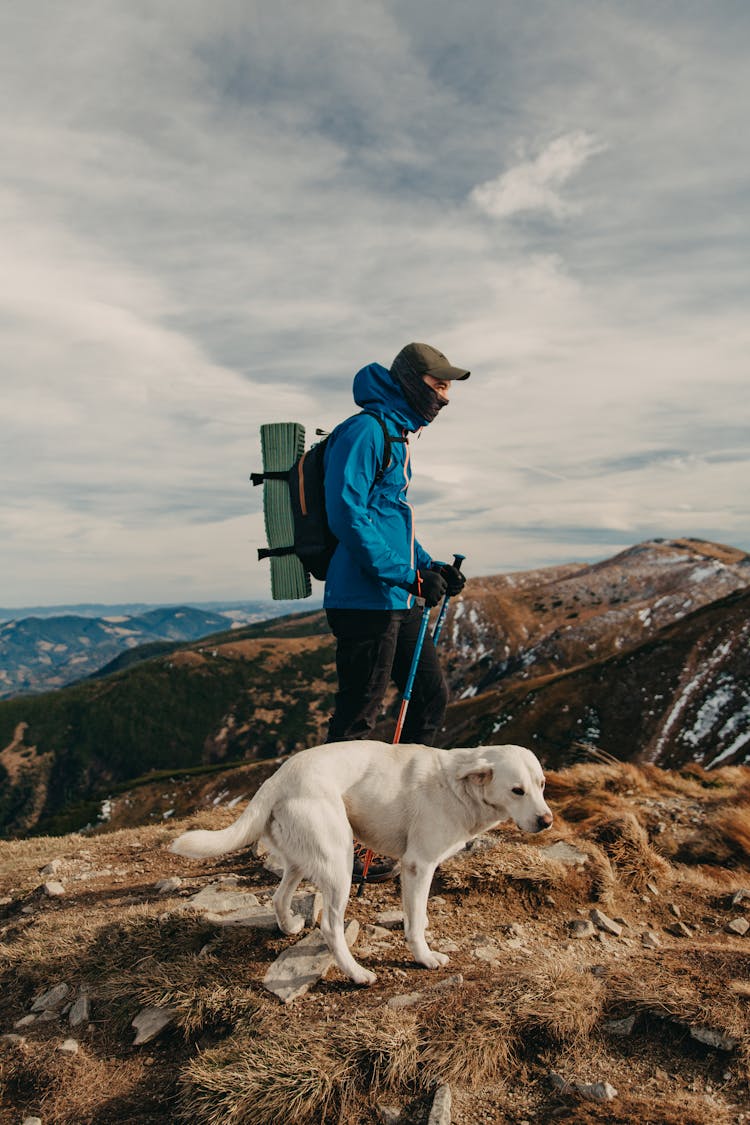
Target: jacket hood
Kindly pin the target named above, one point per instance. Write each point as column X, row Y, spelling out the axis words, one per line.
column 376, row 389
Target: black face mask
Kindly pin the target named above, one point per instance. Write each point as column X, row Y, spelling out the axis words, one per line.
column 422, row 398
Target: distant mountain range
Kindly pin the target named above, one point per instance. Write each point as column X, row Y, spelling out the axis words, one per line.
column 644, row 655
column 49, row 647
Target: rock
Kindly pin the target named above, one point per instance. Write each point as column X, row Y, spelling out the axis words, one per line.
column 596, row 1091
column 581, row 928
column 53, row 889
column 713, row 1038
column 217, row 898
column 445, row 946
column 651, row 939
column 79, row 1011
column 32, row 1121
column 150, row 1022
column 489, row 953
column 604, row 923
column 679, row 929
column 166, row 886
column 68, row 1047
column 411, row 999
column 378, row 933
column 25, row 1021
column 308, row 905
column 674, row 909
column 6, row 900
column 51, row 1000
column 740, row 896
column 52, row 867
column 390, row 919
column 387, row 1114
column 565, row 853
column 303, row 964
column 653, row 888
column 440, row 1113
column 738, row 926
column 622, row 1027
column 13, row 1040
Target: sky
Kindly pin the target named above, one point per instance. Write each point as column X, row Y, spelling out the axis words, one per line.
column 213, row 214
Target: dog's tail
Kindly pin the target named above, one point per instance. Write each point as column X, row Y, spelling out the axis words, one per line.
column 201, row 844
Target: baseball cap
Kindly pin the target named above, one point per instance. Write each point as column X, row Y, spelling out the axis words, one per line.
column 426, row 360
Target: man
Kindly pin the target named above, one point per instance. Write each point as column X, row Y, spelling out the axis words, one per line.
column 379, row 569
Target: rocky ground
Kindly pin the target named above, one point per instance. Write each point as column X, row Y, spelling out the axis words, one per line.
column 600, row 973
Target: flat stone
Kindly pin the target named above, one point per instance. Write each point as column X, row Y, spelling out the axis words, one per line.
column 166, row 886
column 52, row 999
column 68, row 1047
column 740, row 896
column 651, row 939
column 53, row 889
column 390, row 919
column 412, row 999
column 79, row 1011
column 220, row 899
column 564, row 853
column 713, row 1038
column 303, row 964
column 738, row 926
column 13, row 1040
column 440, row 1113
column 621, row 1028
column 674, row 909
column 309, row 905
column 604, row 923
column 581, row 928
column 32, row 1121
column 489, row 953
column 25, row 1021
column 679, row 929
column 150, row 1022
column 6, row 900
column 653, row 888
column 52, row 867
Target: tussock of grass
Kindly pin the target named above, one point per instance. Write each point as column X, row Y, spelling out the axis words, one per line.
column 494, row 869
column 467, row 1043
column 553, row 1000
column 201, row 993
column 627, row 846
column 678, row 1110
column 274, row 1075
column 382, row 1048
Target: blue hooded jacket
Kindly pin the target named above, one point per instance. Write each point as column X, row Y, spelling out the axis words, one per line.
column 377, row 555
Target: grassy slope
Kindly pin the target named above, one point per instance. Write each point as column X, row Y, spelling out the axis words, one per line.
column 532, row 1001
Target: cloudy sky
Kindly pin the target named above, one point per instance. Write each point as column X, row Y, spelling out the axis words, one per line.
column 213, row 214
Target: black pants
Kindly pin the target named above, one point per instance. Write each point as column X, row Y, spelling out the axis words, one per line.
column 373, row 647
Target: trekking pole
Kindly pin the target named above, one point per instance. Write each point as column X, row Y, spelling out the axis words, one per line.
column 457, row 560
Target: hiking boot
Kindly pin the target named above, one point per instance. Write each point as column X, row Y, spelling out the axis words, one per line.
column 381, row 867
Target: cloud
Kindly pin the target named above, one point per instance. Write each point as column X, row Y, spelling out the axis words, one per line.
column 215, row 214
column 533, row 185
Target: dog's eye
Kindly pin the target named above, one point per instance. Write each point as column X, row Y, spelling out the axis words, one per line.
column 519, row 792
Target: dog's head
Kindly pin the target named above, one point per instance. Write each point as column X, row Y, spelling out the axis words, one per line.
column 510, row 780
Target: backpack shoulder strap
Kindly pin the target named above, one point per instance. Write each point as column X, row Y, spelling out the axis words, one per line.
column 389, row 440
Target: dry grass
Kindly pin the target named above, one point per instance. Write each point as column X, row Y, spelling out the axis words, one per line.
column 381, row 1049
column 627, row 846
column 255, row 1079
column 552, row 1002
column 468, row 1043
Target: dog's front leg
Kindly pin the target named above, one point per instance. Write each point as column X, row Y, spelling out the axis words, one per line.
column 416, row 878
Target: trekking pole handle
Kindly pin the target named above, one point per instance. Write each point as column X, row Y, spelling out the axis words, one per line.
column 457, row 560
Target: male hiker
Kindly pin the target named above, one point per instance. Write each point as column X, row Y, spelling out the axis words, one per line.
column 379, row 568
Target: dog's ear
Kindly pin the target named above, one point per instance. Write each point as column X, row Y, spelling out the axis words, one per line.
column 479, row 773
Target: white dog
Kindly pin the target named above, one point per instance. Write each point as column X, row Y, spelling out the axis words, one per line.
column 414, row 803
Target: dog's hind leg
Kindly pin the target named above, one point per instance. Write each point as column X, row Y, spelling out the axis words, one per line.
column 415, row 887
column 289, row 923
column 335, row 891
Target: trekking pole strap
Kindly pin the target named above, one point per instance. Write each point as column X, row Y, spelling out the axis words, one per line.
column 274, row 552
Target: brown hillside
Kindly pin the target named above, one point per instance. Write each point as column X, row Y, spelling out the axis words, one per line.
column 659, row 1009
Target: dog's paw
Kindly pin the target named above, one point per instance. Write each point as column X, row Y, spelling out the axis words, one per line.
column 363, row 976
column 434, row 960
column 293, row 926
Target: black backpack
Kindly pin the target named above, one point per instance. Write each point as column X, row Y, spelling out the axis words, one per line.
column 314, row 542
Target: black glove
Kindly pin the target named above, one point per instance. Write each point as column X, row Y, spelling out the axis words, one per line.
column 455, row 579
column 429, row 585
